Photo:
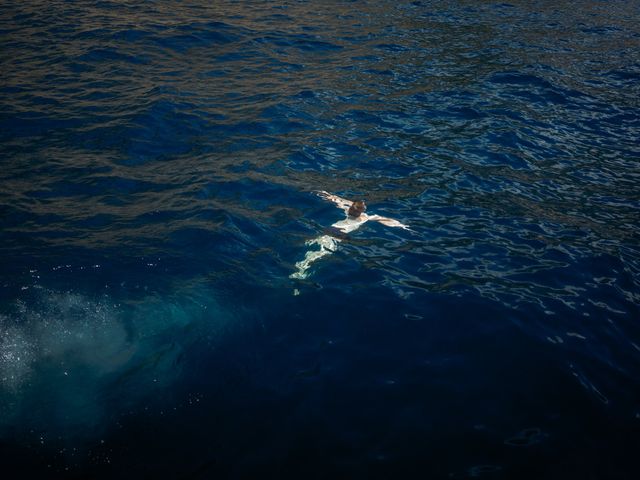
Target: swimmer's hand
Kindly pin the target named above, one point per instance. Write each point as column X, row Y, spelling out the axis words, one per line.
column 389, row 222
column 339, row 201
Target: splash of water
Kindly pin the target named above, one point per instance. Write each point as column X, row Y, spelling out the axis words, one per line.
column 67, row 361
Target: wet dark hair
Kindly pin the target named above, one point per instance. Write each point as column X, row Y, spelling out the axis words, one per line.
column 357, row 208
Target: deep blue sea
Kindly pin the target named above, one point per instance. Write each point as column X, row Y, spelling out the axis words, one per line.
column 159, row 163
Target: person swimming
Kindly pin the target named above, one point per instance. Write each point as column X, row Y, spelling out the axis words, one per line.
column 355, row 218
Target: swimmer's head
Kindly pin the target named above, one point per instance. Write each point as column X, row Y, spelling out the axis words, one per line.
column 357, row 208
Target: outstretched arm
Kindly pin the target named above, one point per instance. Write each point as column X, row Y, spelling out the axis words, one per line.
column 339, row 201
column 389, row 222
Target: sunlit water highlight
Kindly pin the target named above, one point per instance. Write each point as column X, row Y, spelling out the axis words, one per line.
column 158, row 169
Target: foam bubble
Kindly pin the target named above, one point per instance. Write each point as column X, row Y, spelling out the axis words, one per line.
column 17, row 353
column 69, row 361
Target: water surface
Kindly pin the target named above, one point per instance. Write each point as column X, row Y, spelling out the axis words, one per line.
column 158, row 169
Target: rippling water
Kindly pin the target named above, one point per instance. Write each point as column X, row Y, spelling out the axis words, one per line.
column 158, row 169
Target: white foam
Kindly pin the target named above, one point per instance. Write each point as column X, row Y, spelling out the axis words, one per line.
column 64, row 356
column 17, row 353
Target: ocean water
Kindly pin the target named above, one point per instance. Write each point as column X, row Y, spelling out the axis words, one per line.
column 159, row 163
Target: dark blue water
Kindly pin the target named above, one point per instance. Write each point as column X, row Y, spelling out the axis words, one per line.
column 157, row 177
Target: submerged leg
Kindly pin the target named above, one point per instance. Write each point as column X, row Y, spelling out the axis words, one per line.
column 328, row 244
